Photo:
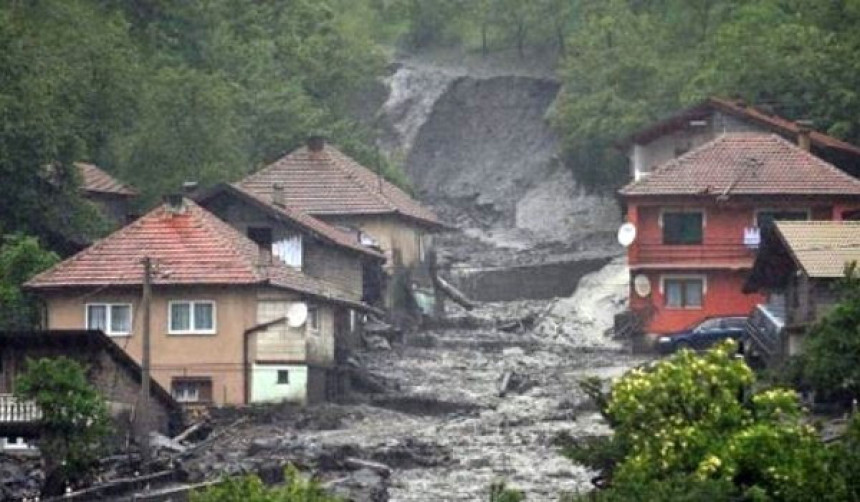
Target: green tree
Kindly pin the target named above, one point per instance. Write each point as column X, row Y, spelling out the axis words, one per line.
column 74, row 417
column 831, row 359
column 686, row 424
column 21, row 257
column 251, row 489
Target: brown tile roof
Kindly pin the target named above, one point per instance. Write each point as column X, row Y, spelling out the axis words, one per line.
column 821, row 248
column 192, row 247
column 94, row 179
column 745, row 164
column 303, row 220
column 328, row 182
column 775, row 123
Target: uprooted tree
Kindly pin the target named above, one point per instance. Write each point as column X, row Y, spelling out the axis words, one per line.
column 689, row 428
column 75, row 419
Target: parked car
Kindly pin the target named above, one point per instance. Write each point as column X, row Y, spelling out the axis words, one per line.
column 704, row 334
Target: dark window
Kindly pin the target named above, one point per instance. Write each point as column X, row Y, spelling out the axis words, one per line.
column 283, row 377
column 682, row 228
column 262, row 236
column 684, row 293
column 313, row 318
column 709, row 325
column 736, row 323
column 192, row 390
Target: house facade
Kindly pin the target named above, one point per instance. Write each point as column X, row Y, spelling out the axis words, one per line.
column 797, row 269
column 112, row 371
column 227, row 318
column 321, row 181
column 111, row 195
column 698, row 219
column 690, row 128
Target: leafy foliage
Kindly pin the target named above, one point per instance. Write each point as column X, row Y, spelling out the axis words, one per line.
column 629, row 63
column 251, row 489
column 499, row 492
column 74, row 415
column 21, row 257
column 830, row 363
column 686, row 426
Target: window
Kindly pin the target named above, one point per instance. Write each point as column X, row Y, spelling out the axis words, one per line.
column 684, row 292
column 768, row 216
column 682, row 227
column 261, row 235
column 112, row 318
column 289, row 250
column 187, row 317
column 313, row 318
column 708, row 325
column 192, row 390
column 283, row 377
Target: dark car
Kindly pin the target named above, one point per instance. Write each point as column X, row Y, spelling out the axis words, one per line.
column 704, row 334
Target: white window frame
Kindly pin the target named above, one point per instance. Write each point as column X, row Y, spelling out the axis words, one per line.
column 313, row 313
column 681, row 277
column 108, row 308
column 191, row 389
column 806, row 210
column 192, row 330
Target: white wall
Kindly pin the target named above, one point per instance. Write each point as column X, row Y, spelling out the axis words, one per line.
column 266, row 389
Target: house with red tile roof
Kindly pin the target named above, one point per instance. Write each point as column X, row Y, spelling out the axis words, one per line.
column 684, row 130
column 230, row 322
column 110, row 194
column 698, row 220
column 321, row 181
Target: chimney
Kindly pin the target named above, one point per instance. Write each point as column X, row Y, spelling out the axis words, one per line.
column 189, row 187
column 174, row 203
column 316, row 143
column 278, row 194
column 804, row 129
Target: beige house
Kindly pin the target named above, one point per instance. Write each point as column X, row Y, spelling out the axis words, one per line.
column 323, row 182
column 231, row 321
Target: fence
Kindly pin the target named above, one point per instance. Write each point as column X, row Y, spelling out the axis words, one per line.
column 17, row 411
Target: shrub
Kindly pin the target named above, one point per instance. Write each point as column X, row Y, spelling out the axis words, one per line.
column 252, row 489
column 74, row 416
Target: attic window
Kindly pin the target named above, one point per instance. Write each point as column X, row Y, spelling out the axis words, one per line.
column 288, row 249
column 261, row 235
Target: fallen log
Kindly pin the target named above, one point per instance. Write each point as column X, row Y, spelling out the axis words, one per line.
column 182, row 436
column 453, row 293
column 377, row 467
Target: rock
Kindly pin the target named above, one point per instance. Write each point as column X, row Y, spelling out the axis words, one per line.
column 265, row 444
column 513, row 352
column 376, row 342
column 363, row 485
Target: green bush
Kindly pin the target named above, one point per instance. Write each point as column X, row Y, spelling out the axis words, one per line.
column 74, row 415
column 251, row 489
column 686, row 429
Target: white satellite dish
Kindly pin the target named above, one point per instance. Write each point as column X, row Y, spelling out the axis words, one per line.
column 626, row 234
column 642, row 285
column 297, row 315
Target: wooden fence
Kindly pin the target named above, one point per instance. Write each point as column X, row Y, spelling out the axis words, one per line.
column 17, row 411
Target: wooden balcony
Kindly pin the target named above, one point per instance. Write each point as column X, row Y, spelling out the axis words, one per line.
column 18, row 417
column 720, row 254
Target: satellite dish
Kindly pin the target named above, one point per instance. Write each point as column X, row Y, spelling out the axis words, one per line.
column 626, row 234
column 297, row 315
column 642, row 285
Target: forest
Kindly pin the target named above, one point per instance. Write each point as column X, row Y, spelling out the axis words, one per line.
column 158, row 92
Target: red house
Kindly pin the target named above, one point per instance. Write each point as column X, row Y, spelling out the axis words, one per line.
column 697, row 220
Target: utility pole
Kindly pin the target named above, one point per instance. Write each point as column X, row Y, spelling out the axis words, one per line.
column 143, row 403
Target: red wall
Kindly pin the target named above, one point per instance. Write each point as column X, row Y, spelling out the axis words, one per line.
column 723, row 297
column 722, row 257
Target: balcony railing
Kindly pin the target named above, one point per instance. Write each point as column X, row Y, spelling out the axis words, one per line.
column 17, row 411
column 725, row 251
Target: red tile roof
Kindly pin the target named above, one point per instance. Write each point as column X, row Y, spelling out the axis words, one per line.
column 746, row 164
column 94, row 179
column 303, row 220
column 328, row 182
column 775, row 123
column 189, row 247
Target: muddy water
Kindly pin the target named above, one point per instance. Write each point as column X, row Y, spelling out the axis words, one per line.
column 450, row 397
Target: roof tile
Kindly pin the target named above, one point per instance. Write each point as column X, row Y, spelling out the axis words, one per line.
column 328, row 182
column 822, row 248
column 746, row 164
column 95, row 179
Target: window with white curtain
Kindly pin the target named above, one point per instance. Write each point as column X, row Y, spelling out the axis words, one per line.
column 288, row 249
column 113, row 319
column 192, row 317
